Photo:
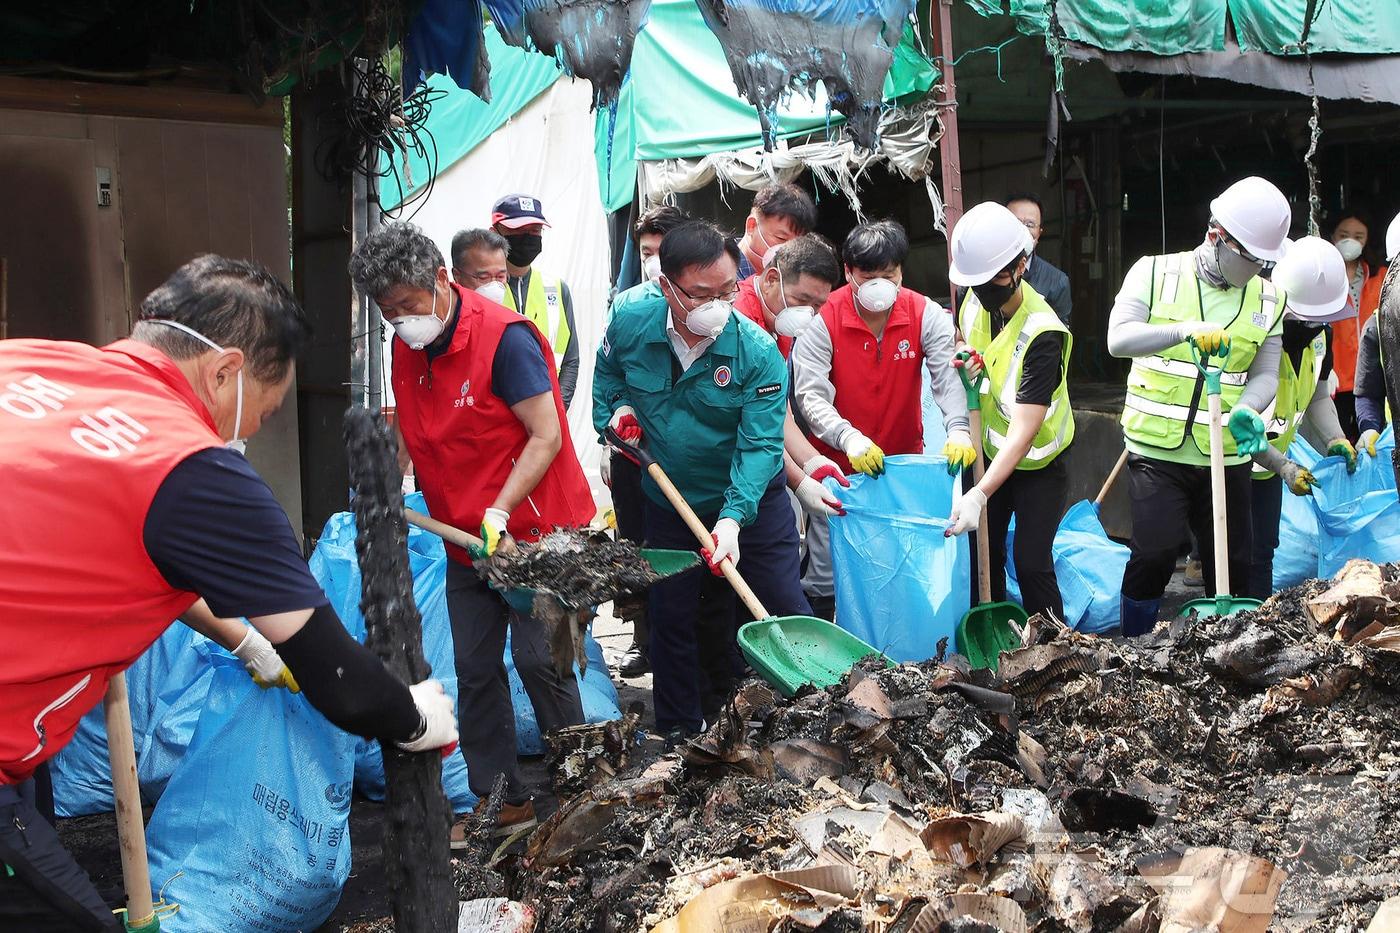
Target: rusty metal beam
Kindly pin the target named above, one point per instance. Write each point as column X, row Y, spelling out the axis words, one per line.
column 950, row 155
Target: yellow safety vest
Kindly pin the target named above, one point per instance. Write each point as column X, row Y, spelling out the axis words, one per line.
column 1166, row 399
column 1003, row 356
column 544, row 305
column 1295, row 390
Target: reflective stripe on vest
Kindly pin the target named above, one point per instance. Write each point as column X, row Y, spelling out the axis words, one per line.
column 1285, row 413
column 1004, row 356
column 1166, row 393
column 544, row 305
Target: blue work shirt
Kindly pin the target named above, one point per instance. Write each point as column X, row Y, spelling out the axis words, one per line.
column 717, row 428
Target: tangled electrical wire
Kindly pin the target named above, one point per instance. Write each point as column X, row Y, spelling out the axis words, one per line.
column 380, row 131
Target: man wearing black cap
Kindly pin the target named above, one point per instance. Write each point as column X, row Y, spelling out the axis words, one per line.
column 546, row 301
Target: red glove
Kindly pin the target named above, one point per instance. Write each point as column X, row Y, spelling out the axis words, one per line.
column 830, row 471
column 624, row 422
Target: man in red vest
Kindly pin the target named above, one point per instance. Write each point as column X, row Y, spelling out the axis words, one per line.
column 783, row 299
column 126, row 509
column 481, row 415
column 856, row 372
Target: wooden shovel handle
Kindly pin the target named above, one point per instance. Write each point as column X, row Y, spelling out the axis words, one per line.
column 984, row 543
column 443, row 530
column 1112, row 478
column 131, row 828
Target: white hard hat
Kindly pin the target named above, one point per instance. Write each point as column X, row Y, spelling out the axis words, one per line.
column 1392, row 239
column 986, row 240
column 1256, row 214
column 1314, row 276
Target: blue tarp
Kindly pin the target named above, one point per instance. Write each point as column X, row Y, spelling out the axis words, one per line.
column 1088, row 567
column 1358, row 514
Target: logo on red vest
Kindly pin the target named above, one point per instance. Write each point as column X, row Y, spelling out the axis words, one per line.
column 902, row 351
column 465, row 400
column 723, row 376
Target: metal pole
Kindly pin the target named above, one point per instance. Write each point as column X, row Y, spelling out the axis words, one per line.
column 366, row 350
column 374, row 324
column 948, row 145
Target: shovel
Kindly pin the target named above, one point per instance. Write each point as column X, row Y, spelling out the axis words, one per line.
column 789, row 651
column 988, row 628
column 522, row 599
column 1222, row 604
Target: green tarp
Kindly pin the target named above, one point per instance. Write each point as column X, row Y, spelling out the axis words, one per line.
column 1363, row 27
column 1174, row 27
column 680, row 100
column 460, row 120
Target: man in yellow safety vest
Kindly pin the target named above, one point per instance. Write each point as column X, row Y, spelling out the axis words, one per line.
column 1213, row 301
column 545, row 301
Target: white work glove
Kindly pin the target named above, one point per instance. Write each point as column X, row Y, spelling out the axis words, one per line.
column 605, row 467
column 493, row 530
column 817, row 500
column 865, row 455
column 1208, row 337
column 725, row 535
column 439, row 720
column 967, row 514
column 624, row 422
column 1367, row 441
column 263, row 663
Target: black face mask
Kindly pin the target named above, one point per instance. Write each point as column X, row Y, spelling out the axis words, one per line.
column 524, row 247
column 994, row 296
column 1297, row 335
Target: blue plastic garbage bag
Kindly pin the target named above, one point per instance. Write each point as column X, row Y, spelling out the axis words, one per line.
column 252, row 832
column 900, row 584
column 166, row 688
column 1358, row 514
column 334, row 565
column 595, row 689
column 1088, row 566
column 1295, row 559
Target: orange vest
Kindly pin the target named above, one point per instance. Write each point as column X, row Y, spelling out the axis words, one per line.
column 89, row 436
column 465, row 440
column 1346, row 335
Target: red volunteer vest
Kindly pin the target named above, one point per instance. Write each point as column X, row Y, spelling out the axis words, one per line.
column 751, row 307
column 464, row 440
column 879, row 383
column 89, row 436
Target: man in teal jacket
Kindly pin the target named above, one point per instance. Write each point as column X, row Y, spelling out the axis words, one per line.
column 705, row 390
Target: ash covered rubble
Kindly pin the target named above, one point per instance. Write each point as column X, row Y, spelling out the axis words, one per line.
column 1237, row 774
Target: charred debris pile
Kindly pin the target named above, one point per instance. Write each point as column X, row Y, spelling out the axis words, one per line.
column 1237, row 774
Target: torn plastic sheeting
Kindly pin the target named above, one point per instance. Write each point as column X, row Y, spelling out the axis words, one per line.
column 756, row 902
column 590, row 39
column 1215, row 889
column 495, row 915
column 776, row 46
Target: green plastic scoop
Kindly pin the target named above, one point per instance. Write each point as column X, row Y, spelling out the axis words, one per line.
column 788, row 651
column 1222, row 603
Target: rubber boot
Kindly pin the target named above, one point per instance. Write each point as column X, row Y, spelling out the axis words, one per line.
column 1139, row 616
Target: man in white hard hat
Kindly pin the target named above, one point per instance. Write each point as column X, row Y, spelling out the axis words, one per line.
column 1314, row 276
column 1370, row 388
column 1211, row 300
column 1026, row 418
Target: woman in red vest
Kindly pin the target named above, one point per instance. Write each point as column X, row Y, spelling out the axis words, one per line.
column 128, row 505
column 481, row 416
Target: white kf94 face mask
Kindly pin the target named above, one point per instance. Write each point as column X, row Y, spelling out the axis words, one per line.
column 877, row 295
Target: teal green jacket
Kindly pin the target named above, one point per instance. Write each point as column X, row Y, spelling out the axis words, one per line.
column 717, row 429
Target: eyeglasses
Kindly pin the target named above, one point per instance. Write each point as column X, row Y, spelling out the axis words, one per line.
column 1237, row 247
column 1031, row 224
column 481, row 278
column 702, row 299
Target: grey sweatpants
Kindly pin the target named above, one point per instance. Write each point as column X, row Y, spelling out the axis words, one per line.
column 485, row 716
column 819, row 580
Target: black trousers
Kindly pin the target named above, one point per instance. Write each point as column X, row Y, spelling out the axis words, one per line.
column 1170, row 502
column 1037, row 499
column 628, row 507
column 48, row 892
column 1346, row 414
column 485, row 715
column 1266, row 510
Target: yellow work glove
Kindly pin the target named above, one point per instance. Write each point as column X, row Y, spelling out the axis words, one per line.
column 263, row 663
column 865, row 456
column 1298, row 479
column 959, row 452
column 1367, row 440
column 1207, row 338
column 1341, row 447
column 493, row 530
